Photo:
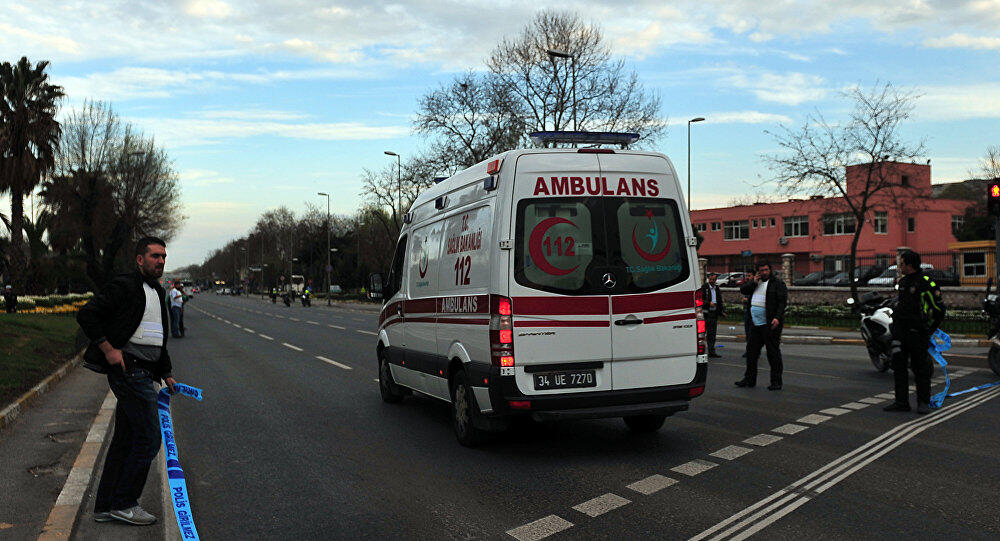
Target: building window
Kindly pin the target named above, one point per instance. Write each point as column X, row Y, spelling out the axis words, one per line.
column 957, row 222
column 974, row 264
column 838, row 224
column 797, row 226
column 755, row 223
column 911, row 224
column 772, row 222
column 882, row 260
column 736, row 230
column 700, row 227
column 716, row 226
column 905, row 181
column 881, row 223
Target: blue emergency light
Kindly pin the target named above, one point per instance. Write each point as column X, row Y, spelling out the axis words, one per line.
column 584, row 137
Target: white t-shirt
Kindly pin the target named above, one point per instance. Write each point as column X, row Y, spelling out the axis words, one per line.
column 759, row 297
column 176, row 298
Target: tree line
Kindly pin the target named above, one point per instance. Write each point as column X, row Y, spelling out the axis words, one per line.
column 100, row 183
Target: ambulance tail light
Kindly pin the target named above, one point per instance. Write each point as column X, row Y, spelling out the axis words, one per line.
column 696, row 391
column 699, row 316
column 501, row 331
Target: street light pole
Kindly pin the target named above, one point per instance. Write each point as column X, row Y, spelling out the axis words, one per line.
column 697, row 119
column 399, row 183
column 327, row 246
column 572, row 58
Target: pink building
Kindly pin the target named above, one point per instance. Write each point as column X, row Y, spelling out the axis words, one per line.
column 818, row 230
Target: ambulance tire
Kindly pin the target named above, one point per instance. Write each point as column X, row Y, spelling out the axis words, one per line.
column 644, row 423
column 464, row 411
column 391, row 392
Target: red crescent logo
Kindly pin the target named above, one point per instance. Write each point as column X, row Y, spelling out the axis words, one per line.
column 646, row 255
column 422, row 267
column 535, row 246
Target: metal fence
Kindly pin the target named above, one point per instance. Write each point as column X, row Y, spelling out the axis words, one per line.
column 970, row 268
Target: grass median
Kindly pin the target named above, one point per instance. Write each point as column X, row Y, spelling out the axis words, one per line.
column 32, row 346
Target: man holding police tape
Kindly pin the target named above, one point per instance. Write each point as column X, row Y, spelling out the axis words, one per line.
column 126, row 323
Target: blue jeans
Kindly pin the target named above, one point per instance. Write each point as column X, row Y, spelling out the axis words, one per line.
column 135, row 443
column 175, row 321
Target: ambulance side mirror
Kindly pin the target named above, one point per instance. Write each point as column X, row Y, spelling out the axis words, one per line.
column 375, row 286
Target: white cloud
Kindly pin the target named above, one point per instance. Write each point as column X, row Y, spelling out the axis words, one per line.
column 791, row 88
column 964, row 41
column 203, row 177
column 212, row 9
column 181, row 132
column 746, row 117
column 59, row 43
column 955, row 102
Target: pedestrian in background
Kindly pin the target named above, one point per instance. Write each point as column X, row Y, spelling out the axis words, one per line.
column 768, row 299
column 918, row 313
column 715, row 309
column 176, row 310
column 9, row 299
column 126, row 324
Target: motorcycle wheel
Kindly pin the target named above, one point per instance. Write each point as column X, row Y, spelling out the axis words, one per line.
column 994, row 358
column 879, row 360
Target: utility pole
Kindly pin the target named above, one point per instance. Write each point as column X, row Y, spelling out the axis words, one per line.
column 698, row 119
column 328, row 267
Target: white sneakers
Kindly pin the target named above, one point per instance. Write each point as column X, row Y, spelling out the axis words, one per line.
column 133, row 515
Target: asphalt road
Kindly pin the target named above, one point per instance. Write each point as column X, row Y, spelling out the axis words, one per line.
column 293, row 441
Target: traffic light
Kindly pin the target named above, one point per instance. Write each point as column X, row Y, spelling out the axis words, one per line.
column 993, row 198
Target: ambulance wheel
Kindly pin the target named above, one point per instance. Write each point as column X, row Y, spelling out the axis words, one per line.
column 644, row 423
column 391, row 392
column 464, row 411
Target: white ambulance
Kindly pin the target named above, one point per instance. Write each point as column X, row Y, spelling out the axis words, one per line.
column 555, row 283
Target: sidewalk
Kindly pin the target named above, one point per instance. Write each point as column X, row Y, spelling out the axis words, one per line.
column 38, row 451
column 728, row 332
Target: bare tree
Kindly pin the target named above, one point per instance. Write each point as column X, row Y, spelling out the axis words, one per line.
column 111, row 185
column 590, row 92
column 814, row 157
column 989, row 165
column 383, row 192
column 470, row 119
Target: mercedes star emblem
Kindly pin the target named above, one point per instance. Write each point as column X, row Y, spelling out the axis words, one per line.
column 609, row 280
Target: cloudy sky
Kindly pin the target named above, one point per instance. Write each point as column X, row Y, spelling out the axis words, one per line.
column 263, row 103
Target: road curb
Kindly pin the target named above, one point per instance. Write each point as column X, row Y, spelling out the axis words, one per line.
column 842, row 341
column 10, row 413
column 67, row 507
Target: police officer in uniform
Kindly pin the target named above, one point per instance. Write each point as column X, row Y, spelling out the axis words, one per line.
column 918, row 313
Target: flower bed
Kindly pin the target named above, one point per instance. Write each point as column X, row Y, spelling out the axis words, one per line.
column 49, row 304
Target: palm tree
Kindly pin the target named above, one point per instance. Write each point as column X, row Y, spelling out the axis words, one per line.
column 29, row 136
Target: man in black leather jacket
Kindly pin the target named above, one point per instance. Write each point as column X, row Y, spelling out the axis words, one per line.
column 126, row 323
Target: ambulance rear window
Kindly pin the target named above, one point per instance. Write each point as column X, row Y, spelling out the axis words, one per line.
column 568, row 244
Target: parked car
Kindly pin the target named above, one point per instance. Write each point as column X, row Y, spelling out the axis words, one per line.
column 811, row 279
column 723, row 279
column 839, row 279
column 888, row 277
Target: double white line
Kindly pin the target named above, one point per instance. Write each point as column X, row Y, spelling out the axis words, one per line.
column 765, row 512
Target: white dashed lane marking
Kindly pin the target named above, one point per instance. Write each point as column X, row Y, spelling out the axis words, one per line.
column 854, row 406
column 294, row 319
column 762, row 440
column 731, row 452
column 651, row 484
column 694, row 467
column 249, row 330
column 540, row 529
column 367, row 332
column 814, row 419
column 287, row 345
column 312, row 323
column 887, row 396
column 265, row 337
column 336, row 327
column 790, row 428
column 334, row 363
column 835, row 411
column 601, row 504
column 871, row 400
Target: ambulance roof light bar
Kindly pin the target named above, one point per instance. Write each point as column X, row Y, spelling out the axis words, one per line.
column 584, row 137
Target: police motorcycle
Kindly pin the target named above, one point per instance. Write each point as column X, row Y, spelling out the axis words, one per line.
column 991, row 307
column 876, row 322
column 274, row 295
column 307, row 298
column 286, row 298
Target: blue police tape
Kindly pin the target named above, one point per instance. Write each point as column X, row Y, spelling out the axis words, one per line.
column 940, row 342
column 175, row 475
